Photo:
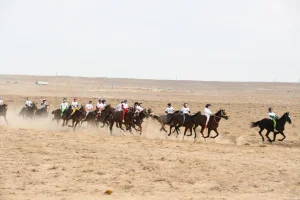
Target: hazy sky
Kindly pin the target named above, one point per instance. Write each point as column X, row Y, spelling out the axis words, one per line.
column 232, row 40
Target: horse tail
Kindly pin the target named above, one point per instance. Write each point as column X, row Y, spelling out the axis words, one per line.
column 53, row 112
column 254, row 124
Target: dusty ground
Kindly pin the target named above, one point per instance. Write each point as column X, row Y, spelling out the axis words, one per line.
column 40, row 160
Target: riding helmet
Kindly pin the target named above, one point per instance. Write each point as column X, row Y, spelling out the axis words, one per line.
column 270, row 109
column 136, row 103
column 169, row 104
column 207, row 105
column 75, row 98
column 103, row 101
column 90, row 102
column 125, row 101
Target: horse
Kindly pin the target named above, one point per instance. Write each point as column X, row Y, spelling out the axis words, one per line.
column 213, row 123
column 43, row 112
column 77, row 116
column 269, row 125
column 28, row 112
column 139, row 119
column 190, row 123
column 116, row 117
column 3, row 111
column 104, row 115
column 58, row 115
column 163, row 120
column 91, row 118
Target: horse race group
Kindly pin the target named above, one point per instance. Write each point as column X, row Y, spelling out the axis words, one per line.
column 133, row 117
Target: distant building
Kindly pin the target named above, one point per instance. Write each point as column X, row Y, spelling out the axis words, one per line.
column 41, row 83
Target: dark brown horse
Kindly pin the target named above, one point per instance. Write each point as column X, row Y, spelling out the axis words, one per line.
column 139, row 119
column 28, row 112
column 268, row 124
column 3, row 111
column 116, row 117
column 57, row 115
column 213, row 123
column 43, row 112
column 77, row 116
column 104, row 116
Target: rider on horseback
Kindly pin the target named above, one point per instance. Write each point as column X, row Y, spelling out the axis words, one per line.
column 74, row 103
column 28, row 103
column 43, row 104
column 119, row 106
column 272, row 116
column 124, row 108
column 63, row 106
column 138, row 107
column 88, row 108
column 207, row 113
column 185, row 111
column 1, row 101
column 169, row 111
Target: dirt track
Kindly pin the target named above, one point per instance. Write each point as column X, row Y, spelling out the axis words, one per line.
column 42, row 161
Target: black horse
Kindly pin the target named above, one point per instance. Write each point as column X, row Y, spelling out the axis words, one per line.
column 164, row 119
column 58, row 115
column 28, row 112
column 43, row 112
column 77, row 116
column 269, row 125
column 116, row 117
column 3, row 111
column 139, row 119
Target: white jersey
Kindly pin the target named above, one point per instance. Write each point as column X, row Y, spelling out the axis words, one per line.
column 207, row 112
column 1, row 102
column 124, row 105
column 272, row 115
column 185, row 110
column 100, row 106
column 28, row 103
column 170, row 110
column 74, row 104
column 89, row 107
column 64, row 106
column 139, row 108
column 43, row 105
column 119, row 107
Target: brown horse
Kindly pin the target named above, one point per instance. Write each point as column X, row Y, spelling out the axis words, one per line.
column 213, row 123
column 139, row 119
column 57, row 115
column 77, row 116
column 116, row 117
column 104, row 116
column 43, row 112
column 3, row 111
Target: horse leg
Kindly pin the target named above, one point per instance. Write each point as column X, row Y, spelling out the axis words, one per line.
column 110, row 127
column 191, row 133
column 5, row 119
column 263, row 139
column 75, row 125
column 267, row 135
column 216, row 131
column 195, row 133
column 184, row 133
column 208, row 133
column 283, row 136
column 171, row 126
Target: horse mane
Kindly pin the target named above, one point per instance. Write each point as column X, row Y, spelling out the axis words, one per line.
column 196, row 114
column 219, row 111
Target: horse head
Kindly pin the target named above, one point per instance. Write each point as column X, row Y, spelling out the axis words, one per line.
column 288, row 117
column 222, row 113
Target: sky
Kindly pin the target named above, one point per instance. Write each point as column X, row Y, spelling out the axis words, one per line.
column 215, row 40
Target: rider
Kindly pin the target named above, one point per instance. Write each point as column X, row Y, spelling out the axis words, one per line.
column 63, row 106
column 138, row 107
column 43, row 104
column 124, row 108
column 207, row 113
column 88, row 108
column 169, row 111
column 99, row 105
column 1, row 101
column 74, row 103
column 119, row 106
column 103, row 102
column 28, row 103
column 185, row 111
column 272, row 116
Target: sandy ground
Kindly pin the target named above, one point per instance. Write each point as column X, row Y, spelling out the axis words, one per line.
column 40, row 160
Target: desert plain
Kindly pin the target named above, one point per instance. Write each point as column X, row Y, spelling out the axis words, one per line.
column 42, row 160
